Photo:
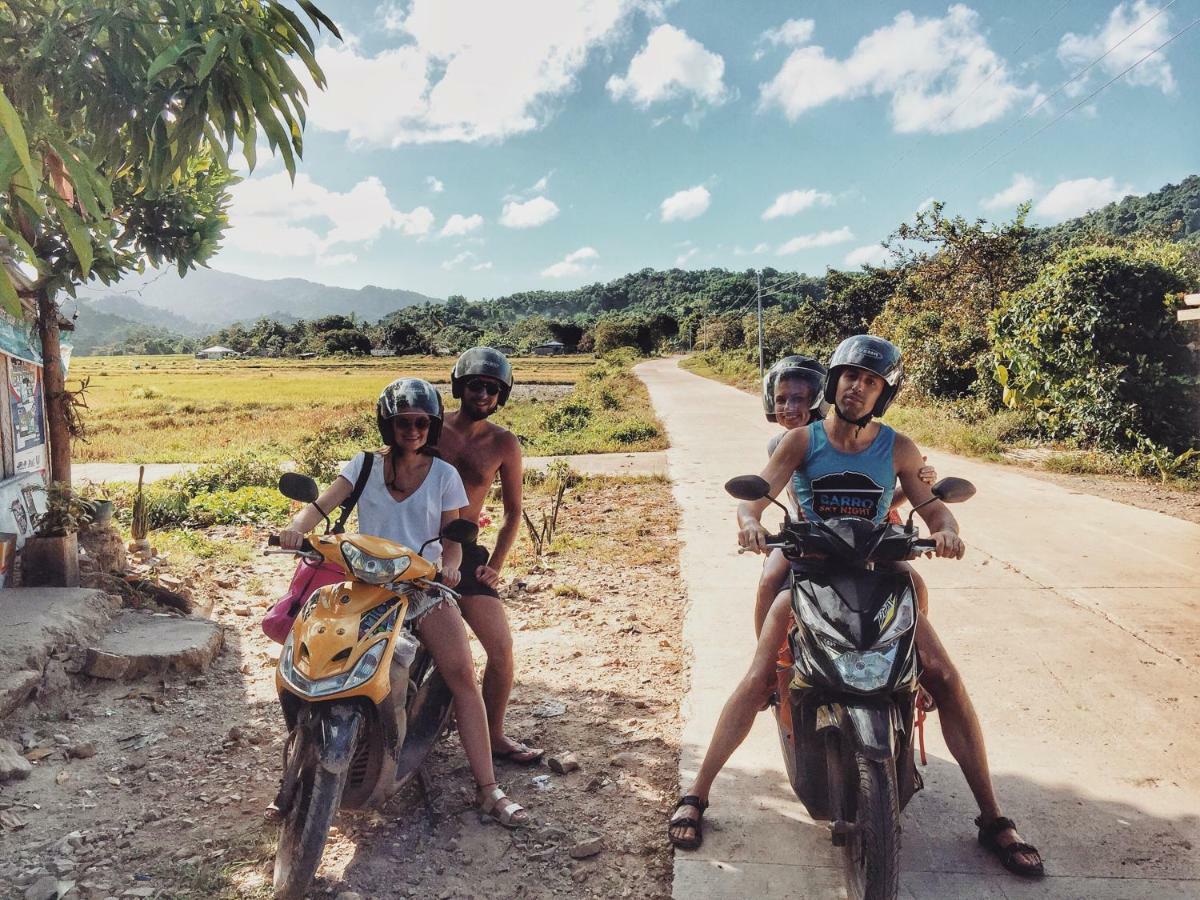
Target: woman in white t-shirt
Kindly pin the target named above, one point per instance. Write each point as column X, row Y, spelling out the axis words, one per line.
column 410, row 495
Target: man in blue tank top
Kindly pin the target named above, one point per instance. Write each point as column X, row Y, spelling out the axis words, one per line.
column 847, row 465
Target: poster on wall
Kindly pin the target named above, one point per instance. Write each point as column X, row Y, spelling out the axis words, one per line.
column 28, row 415
column 22, row 500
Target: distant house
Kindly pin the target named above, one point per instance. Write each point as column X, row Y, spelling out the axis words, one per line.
column 217, row 353
column 550, row 348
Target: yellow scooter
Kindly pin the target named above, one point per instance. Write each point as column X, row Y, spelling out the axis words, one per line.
column 363, row 701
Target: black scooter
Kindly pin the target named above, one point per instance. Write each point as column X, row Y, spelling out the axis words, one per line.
column 846, row 703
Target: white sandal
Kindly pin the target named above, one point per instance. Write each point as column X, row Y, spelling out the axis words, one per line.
column 490, row 804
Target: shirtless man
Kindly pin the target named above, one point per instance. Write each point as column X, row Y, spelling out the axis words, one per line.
column 481, row 380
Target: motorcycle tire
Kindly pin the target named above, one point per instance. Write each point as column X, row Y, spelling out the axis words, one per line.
column 872, row 852
column 305, row 830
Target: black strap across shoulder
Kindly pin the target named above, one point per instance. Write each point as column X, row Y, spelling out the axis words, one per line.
column 359, row 483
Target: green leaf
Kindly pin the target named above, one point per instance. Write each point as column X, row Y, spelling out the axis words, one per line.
column 211, row 54
column 21, row 244
column 77, row 234
column 82, row 178
column 317, row 16
column 169, row 57
column 15, row 132
column 8, row 295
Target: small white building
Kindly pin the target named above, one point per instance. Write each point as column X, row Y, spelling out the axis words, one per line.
column 217, row 353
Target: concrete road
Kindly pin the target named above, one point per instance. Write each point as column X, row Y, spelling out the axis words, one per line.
column 1075, row 622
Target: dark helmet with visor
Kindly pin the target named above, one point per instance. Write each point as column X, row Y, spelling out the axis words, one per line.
column 802, row 368
column 482, row 361
column 874, row 354
column 409, row 395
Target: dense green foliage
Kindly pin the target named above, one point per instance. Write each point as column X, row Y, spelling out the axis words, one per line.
column 1172, row 213
column 1093, row 347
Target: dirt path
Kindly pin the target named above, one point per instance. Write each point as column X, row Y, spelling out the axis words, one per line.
column 1074, row 621
column 168, row 799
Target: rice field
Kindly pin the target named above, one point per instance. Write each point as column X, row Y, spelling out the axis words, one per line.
column 143, row 409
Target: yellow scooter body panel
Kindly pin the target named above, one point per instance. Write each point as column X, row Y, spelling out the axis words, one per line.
column 325, row 636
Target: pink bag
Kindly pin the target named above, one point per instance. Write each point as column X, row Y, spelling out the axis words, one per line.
column 308, row 578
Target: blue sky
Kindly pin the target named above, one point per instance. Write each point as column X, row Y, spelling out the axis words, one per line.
column 476, row 147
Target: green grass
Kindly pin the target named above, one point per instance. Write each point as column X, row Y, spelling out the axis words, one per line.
column 730, row 368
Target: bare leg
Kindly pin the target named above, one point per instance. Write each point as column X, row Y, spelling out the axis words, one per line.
column 445, row 636
column 773, row 580
column 486, row 616
column 960, row 727
column 740, row 709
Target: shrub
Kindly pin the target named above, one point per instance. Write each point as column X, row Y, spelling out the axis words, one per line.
column 632, row 432
column 572, row 415
column 1094, row 349
column 245, row 506
column 243, row 470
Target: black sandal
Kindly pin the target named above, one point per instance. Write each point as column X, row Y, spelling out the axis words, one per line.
column 696, row 824
column 1007, row 853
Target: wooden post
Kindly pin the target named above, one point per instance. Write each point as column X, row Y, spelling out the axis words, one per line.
column 54, row 385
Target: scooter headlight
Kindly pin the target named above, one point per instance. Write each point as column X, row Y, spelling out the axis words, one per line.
column 362, row 672
column 374, row 569
column 830, row 638
column 866, row 670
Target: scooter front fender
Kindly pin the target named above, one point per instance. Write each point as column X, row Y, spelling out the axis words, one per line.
column 872, row 730
column 339, row 726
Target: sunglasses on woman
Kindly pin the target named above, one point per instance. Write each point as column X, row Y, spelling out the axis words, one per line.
column 411, row 423
column 479, row 386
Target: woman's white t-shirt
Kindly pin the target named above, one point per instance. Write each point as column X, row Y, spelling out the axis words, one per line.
column 415, row 519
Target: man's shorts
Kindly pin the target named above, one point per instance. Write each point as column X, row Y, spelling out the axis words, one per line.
column 474, row 556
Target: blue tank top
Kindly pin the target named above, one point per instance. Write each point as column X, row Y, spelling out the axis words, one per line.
column 831, row 483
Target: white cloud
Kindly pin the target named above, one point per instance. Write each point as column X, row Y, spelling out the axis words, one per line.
column 926, row 204
column 870, row 254
column 757, row 250
column 539, row 186
column 682, row 259
column 467, row 71
column 796, row 201
column 792, row 33
column 529, row 214
column 458, row 225
column 337, row 259
column 455, row 261
column 481, row 267
column 435, row 184
column 686, row 204
column 671, row 65
column 1077, row 50
column 572, row 264
column 819, row 239
column 928, row 67
column 270, row 215
column 1023, row 188
column 1068, row 199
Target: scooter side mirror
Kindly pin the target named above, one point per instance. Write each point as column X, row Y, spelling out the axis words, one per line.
column 953, row 490
column 748, row 487
column 461, row 531
column 298, row 487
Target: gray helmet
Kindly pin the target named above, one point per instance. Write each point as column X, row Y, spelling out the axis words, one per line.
column 865, row 351
column 482, row 361
column 406, row 395
column 803, row 367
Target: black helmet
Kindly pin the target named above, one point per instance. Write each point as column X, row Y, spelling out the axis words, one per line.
column 803, row 367
column 409, row 395
column 865, row 351
column 485, row 361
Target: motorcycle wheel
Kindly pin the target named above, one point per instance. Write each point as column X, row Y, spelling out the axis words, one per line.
column 305, row 830
column 872, row 851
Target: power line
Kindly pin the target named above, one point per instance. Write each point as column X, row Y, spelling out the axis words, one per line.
column 1098, row 90
column 1058, row 90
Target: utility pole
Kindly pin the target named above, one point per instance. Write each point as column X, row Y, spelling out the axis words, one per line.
column 758, row 292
